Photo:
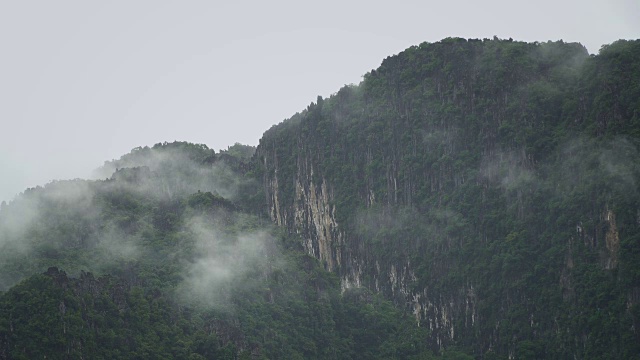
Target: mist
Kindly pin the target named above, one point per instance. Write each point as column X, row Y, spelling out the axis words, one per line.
column 414, row 229
column 137, row 211
column 224, row 263
column 174, row 169
column 509, row 170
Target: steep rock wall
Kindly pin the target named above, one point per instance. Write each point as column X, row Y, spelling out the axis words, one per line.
column 310, row 212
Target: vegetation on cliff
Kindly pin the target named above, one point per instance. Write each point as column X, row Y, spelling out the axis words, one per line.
column 162, row 266
column 489, row 186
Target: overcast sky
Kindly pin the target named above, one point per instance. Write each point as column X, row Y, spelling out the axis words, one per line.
column 82, row 82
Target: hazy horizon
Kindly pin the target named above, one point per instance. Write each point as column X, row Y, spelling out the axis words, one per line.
column 85, row 83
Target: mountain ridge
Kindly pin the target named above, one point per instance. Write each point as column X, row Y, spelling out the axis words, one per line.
column 487, row 188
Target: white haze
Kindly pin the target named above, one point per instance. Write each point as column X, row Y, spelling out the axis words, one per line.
column 83, row 82
column 59, row 217
column 579, row 163
column 508, row 169
column 224, row 263
column 171, row 172
column 583, row 160
column 216, row 256
column 34, row 220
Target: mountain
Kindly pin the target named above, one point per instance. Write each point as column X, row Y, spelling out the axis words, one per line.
column 489, row 187
column 468, row 199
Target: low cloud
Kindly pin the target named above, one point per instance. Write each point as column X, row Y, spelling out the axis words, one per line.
column 382, row 224
column 509, row 170
column 583, row 162
column 124, row 219
column 223, row 263
column 173, row 170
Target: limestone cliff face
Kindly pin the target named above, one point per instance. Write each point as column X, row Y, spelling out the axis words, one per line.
column 315, row 216
column 309, row 210
column 612, row 241
column 310, row 213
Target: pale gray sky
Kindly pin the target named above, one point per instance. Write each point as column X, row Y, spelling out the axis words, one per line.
column 82, row 82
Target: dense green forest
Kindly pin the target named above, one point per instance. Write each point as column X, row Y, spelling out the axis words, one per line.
column 146, row 265
column 488, row 186
column 468, row 199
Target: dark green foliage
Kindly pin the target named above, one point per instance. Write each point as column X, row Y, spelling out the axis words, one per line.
column 179, row 275
column 240, row 151
column 52, row 316
column 503, row 174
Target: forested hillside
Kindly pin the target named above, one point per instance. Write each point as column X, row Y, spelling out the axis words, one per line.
column 155, row 263
column 490, row 187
